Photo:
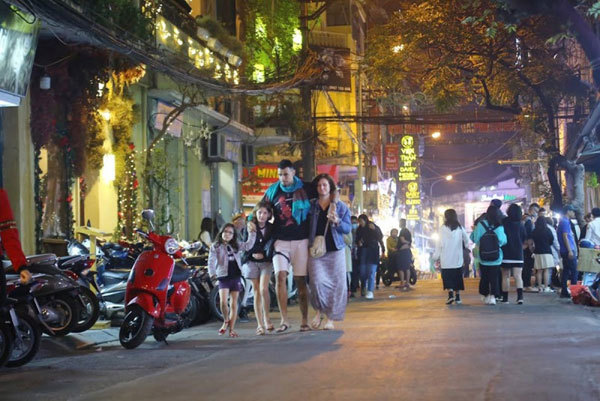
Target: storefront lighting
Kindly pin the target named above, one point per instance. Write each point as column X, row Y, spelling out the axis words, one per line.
column 436, row 135
column 398, row 48
column 108, row 168
column 449, row 177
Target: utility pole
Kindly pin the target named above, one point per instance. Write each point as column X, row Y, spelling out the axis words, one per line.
column 308, row 141
column 358, row 185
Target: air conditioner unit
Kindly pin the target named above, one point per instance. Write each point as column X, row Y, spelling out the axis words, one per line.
column 216, row 147
column 248, row 155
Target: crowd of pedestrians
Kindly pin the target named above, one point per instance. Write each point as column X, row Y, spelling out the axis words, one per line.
column 531, row 247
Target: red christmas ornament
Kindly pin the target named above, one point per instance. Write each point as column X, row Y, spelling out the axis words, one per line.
column 136, row 184
column 131, row 146
column 69, row 199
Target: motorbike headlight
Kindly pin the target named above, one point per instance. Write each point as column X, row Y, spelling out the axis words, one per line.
column 171, row 246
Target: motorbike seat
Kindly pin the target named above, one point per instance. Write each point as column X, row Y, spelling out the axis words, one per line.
column 64, row 262
column 180, row 273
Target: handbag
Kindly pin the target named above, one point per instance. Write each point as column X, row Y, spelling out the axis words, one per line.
column 318, row 248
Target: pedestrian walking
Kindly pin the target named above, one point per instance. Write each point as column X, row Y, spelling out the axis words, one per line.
column 512, row 252
column 355, row 276
column 329, row 221
column 224, row 261
column 592, row 233
column 258, row 267
column 290, row 197
column 449, row 251
column 206, row 232
column 528, row 262
column 489, row 235
column 542, row 251
column 568, row 250
column 555, row 251
column 368, row 239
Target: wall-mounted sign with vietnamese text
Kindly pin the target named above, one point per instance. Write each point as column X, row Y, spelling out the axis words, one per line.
column 408, row 172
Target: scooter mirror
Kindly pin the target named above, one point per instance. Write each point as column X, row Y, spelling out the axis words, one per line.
column 148, row 214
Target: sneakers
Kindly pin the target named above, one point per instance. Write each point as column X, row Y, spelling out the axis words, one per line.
column 484, row 299
column 492, row 300
column 548, row 289
column 520, row 301
column 362, row 292
column 450, row 299
column 369, row 295
column 457, row 299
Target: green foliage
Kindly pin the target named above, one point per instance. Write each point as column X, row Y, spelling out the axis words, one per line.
column 594, row 10
column 461, row 52
column 217, row 31
column 126, row 14
column 269, row 37
column 592, row 180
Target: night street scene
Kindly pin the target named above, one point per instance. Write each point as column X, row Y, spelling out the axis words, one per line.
column 300, row 200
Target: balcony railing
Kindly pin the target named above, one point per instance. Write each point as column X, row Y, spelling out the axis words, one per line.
column 329, row 39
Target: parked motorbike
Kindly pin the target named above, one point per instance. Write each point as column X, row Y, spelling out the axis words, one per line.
column 20, row 333
column 389, row 274
column 55, row 296
column 157, row 292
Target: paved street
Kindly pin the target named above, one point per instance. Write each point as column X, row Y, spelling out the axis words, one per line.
column 412, row 347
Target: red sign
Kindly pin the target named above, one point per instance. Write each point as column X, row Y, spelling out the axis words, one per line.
column 256, row 181
column 392, row 161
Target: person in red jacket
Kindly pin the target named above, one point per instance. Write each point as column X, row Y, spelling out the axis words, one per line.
column 10, row 244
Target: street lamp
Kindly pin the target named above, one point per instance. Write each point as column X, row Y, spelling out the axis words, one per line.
column 446, row 178
column 436, row 134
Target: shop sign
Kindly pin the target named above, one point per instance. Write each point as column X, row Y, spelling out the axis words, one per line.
column 413, row 194
column 412, row 213
column 408, row 160
column 392, row 159
column 504, row 197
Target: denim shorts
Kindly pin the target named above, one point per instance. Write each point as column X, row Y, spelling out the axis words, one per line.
column 231, row 284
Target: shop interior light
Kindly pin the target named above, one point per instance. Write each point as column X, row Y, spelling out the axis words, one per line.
column 436, row 134
column 108, row 168
column 105, row 114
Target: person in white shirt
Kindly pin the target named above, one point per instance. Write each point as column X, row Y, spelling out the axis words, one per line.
column 592, row 233
column 449, row 251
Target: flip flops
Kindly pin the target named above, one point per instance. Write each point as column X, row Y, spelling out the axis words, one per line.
column 283, row 328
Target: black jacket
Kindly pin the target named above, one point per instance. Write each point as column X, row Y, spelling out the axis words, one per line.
column 515, row 237
column 262, row 244
column 542, row 239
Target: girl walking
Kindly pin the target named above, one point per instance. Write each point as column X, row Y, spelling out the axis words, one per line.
column 542, row 252
column 368, row 238
column 224, row 261
column 330, row 218
column 516, row 238
column 258, row 266
column 490, row 237
column 449, row 251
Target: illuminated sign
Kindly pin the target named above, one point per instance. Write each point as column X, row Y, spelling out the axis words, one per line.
column 408, row 172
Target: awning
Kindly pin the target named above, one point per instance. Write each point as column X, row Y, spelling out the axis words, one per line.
column 210, row 116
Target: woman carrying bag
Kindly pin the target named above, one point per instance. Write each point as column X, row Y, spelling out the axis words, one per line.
column 329, row 221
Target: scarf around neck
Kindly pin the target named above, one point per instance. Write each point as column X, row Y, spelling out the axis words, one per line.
column 300, row 202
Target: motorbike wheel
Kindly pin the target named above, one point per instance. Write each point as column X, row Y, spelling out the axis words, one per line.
column 413, row 276
column 204, row 312
column 215, row 303
column 135, row 327
column 188, row 316
column 159, row 334
column 68, row 309
column 387, row 279
column 30, row 335
column 89, row 311
column 7, row 342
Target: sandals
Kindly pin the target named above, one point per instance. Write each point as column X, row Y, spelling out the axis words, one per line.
column 223, row 328
column 304, row 327
column 283, row 327
column 270, row 328
column 315, row 324
column 232, row 333
column 260, row 331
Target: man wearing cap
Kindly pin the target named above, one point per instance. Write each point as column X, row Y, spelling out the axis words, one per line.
column 290, row 197
column 568, row 250
column 592, row 233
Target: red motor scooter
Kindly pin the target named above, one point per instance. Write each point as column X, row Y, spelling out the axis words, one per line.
column 157, row 292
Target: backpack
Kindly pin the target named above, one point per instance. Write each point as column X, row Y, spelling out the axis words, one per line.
column 489, row 245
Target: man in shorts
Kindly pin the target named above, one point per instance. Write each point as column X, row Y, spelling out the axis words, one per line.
column 290, row 198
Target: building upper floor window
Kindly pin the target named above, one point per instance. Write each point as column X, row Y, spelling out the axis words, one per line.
column 338, row 14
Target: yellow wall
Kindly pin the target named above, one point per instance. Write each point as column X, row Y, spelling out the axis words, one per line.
column 18, row 171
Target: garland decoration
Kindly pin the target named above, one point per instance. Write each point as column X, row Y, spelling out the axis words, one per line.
column 128, row 198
